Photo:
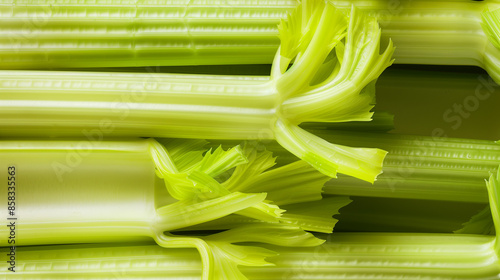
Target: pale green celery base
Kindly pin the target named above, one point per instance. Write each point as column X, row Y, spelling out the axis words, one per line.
column 344, row 256
column 79, row 191
column 97, row 105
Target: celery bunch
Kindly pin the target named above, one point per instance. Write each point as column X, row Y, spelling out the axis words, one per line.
column 186, row 209
column 336, row 61
column 138, row 189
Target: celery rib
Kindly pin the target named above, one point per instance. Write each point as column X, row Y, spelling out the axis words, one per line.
column 416, row 167
column 55, row 34
column 420, row 167
column 345, row 256
column 123, row 33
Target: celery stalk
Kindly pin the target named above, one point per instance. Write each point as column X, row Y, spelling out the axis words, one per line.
column 55, row 34
column 416, row 167
column 420, row 167
column 331, row 80
column 344, row 256
column 76, row 191
column 131, row 33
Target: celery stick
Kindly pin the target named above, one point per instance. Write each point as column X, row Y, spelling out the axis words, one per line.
column 331, row 80
column 144, row 33
column 425, row 168
column 344, row 256
column 78, row 191
column 416, row 167
column 50, row 34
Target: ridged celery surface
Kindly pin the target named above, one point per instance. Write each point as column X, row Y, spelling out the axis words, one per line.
column 421, row 167
column 416, row 167
column 101, row 191
column 55, row 34
column 344, row 256
column 336, row 61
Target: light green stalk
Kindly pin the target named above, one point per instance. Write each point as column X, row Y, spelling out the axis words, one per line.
column 106, row 191
column 344, row 256
column 336, row 62
column 141, row 33
column 416, row 167
column 61, row 34
column 420, row 167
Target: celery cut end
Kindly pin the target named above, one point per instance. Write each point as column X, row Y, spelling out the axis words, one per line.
column 328, row 158
column 336, row 62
